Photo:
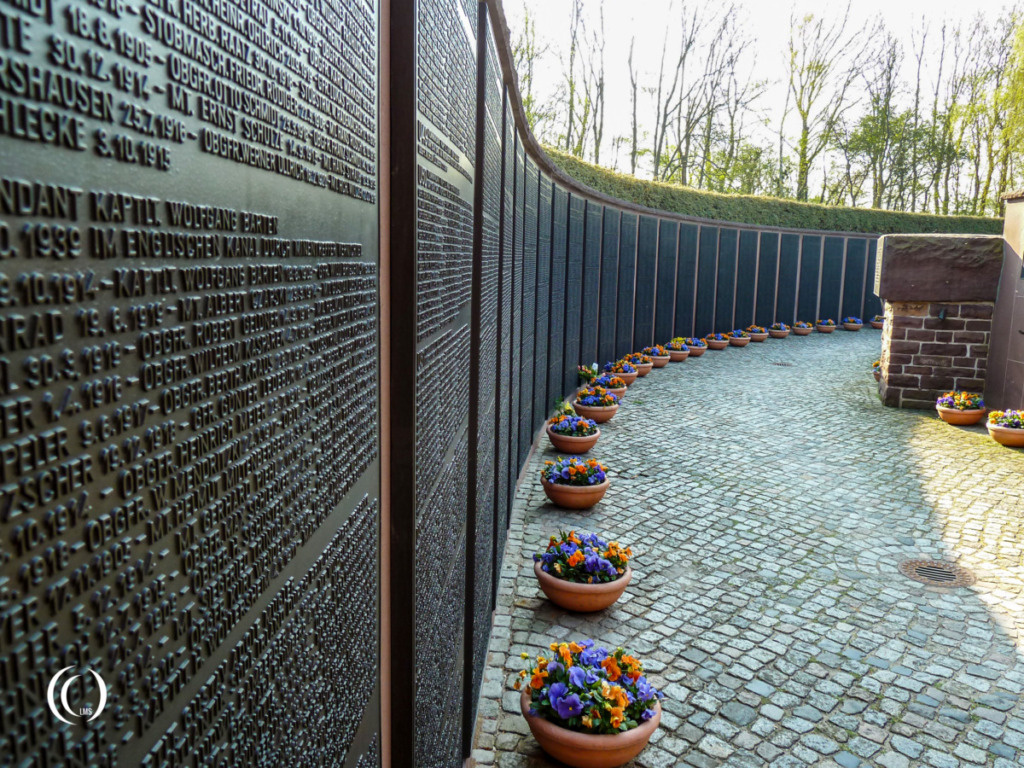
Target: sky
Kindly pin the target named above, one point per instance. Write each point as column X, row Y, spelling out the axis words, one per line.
column 767, row 21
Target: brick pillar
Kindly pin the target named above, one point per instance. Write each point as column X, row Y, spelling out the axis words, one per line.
column 939, row 293
column 931, row 348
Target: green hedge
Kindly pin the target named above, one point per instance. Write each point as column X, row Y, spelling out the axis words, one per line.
column 765, row 211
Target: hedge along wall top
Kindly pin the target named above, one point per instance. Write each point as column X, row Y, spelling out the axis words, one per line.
column 763, row 211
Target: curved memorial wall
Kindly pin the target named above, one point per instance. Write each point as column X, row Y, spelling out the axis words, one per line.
column 509, row 274
column 239, row 524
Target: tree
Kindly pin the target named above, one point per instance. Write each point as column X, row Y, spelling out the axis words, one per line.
column 527, row 53
column 822, row 65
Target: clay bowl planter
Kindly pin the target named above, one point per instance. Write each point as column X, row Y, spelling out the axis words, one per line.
column 825, row 328
column 777, row 334
column 697, row 351
column 1008, row 436
column 660, row 361
column 678, row 355
column 582, row 598
column 853, row 326
column 877, row 323
column 757, row 336
column 572, row 443
column 716, row 343
column 587, row 750
column 642, row 369
column 961, row 418
column 618, row 391
column 740, row 341
column 802, row 331
column 599, row 413
column 878, row 375
column 629, row 378
column 575, row 496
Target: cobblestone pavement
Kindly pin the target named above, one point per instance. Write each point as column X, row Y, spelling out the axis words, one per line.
column 768, row 497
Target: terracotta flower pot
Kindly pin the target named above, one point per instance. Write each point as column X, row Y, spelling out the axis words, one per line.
column 802, row 331
column 1008, row 436
column 599, row 413
column 757, row 336
column 587, row 750
column 877, row 323
column 678, row 355
column 629, row 378
column 582, row 598
column 960, row 418
column 660, row 361
column 716, row 343
column 777, row 334
column 618, row 391
column 697, row 351
column 572, row 443
column 575, row 496
column 642, row 369
column 825, row 328
column 878, row 375
column 853, row 326
column 742, row 341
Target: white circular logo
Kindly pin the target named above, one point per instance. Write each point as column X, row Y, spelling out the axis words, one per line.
column 86, row 710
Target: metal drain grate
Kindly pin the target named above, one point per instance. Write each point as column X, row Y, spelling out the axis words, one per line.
column 936, row 573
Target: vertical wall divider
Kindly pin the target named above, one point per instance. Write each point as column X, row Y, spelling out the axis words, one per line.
column 402, row 148
column 473, row 456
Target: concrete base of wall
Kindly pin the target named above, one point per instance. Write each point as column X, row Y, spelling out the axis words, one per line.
column 930, row 348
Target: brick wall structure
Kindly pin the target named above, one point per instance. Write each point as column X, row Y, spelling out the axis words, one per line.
column 930, row 348
column 939, row 294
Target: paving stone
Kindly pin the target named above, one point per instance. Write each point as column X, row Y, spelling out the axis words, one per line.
column 848, row 760
column 738, row 713
column 768, row 606
column 892, row 760
column 820, row 743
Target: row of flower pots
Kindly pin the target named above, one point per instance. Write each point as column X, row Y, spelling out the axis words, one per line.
column 587, row 706
column 967, row 408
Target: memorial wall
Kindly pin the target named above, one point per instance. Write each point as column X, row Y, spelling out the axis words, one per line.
column 190, row 397
column 189, row 234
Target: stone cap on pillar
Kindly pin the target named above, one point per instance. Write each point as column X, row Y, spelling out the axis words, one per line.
column 938, row 267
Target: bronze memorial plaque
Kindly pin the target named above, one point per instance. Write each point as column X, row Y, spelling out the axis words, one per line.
column 188, row 382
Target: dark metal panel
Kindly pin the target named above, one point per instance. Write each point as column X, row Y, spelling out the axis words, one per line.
column 725, row 292
column 746, row 276
column 592, row 278
column 574, row 296
column 664, row 314
column 686, row 278
column 485, row 346
column 810, row 266
column 767, row 268
column 646, row 274
column 831, row 278
column 853, row 277
column 196, row 383
column 789, row 264
column 543, row 337
column 516, row 321
column 872, row 304
column 608, row 312
column 527, row 383
column 557, row 341
column 627, row 278
column 707, row 268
